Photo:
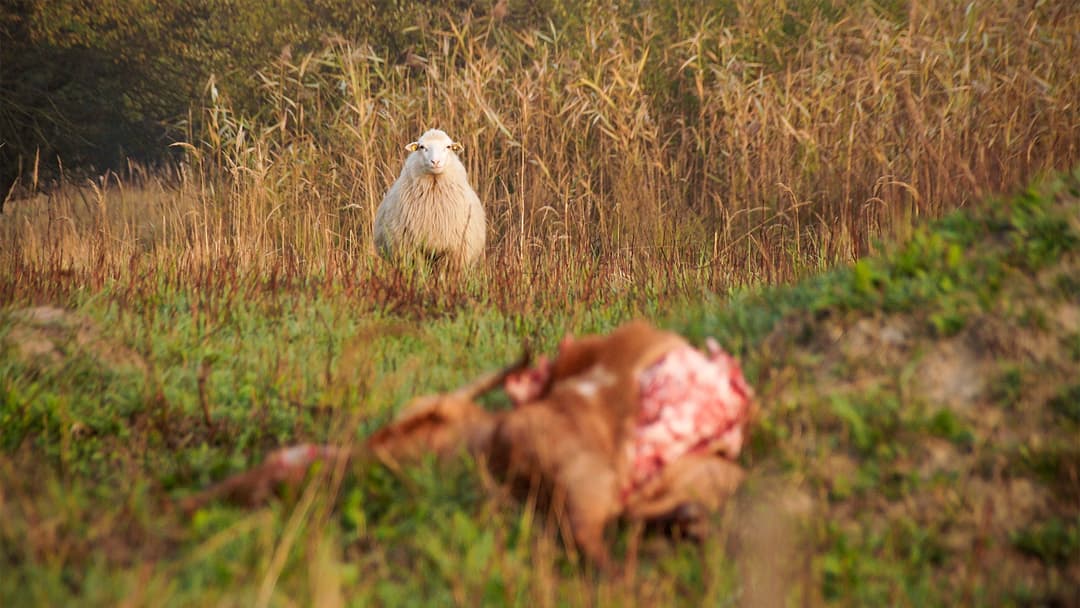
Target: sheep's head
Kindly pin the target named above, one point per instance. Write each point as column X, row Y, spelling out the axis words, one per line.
column 436, row 151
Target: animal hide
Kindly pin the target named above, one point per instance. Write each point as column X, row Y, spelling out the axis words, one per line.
column 635, row 424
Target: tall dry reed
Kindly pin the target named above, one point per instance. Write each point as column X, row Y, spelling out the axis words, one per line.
column 672, row 151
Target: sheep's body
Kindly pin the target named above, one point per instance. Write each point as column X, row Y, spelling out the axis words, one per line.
column 431, row 210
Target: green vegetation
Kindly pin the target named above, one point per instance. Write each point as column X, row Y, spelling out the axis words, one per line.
column 817, row 184
column 919, row 466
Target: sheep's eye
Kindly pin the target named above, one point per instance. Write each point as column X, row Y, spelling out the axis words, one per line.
column 422, row 147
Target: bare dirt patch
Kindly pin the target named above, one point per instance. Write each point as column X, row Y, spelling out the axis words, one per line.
column 47, row 336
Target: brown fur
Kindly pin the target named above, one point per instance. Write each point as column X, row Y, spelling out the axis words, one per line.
column 565, row 447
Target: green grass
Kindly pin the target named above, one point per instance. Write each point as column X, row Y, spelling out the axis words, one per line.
column 918, row 425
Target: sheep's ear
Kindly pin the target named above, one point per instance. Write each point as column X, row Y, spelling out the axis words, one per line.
column 457, row 147
column 413, row 146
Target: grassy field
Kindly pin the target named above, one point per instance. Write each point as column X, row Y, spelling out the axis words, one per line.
column 714, row 146
column 917, row 443
column 817, row 185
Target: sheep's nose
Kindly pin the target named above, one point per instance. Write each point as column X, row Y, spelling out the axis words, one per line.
column 436, row 163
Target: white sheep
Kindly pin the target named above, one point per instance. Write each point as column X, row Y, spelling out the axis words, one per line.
column 431, row 209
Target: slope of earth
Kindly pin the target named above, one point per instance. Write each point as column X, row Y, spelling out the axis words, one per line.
column 926, row 404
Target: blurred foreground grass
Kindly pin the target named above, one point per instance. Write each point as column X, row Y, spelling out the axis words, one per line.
column 917, row 442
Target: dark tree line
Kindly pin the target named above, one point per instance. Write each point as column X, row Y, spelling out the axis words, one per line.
column 87, row 84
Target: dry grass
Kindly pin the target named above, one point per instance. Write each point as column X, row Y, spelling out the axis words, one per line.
column 755, row 146
column 621, row 158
